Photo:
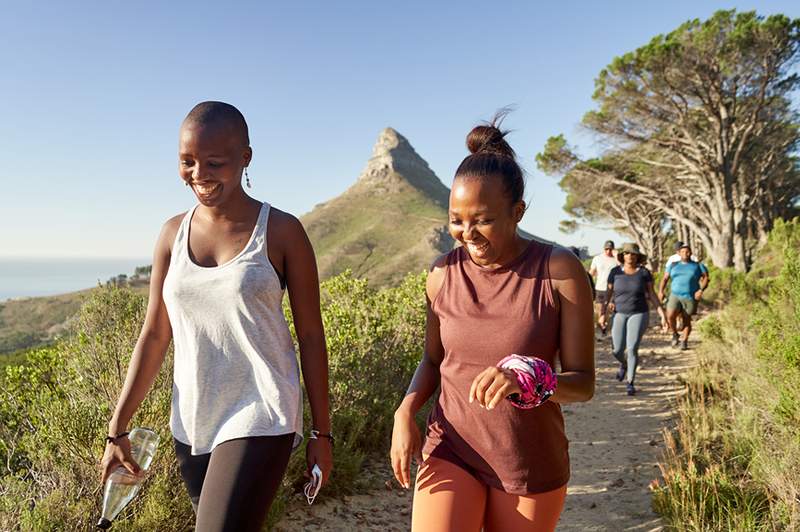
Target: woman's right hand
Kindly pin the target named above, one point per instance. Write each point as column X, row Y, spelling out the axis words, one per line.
column 118, row 454
column 406, row 444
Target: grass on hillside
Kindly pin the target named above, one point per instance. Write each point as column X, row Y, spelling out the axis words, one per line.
column 33, row 321
column 733, row 460
column 378, row 236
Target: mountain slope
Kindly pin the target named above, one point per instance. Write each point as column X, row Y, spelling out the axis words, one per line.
column 391, row 221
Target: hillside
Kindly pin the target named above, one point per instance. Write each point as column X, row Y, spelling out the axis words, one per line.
column 31, row 321
column 391, row 221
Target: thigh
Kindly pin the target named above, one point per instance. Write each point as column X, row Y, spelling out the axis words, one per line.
column 193, row 470
column 618, row 330
column 690, row 307
column 446, row 498
column 673, row 304
column 637, row 325
column 532, row 512
column 242, row 479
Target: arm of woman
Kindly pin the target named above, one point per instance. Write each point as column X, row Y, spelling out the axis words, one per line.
column 302, row 283
column 651, row 294
column 610, row 296
column 406, row 439
column 576, row 380
column 663, row 285
column 147, row 357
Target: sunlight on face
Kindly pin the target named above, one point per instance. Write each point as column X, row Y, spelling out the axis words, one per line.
column 483, row 220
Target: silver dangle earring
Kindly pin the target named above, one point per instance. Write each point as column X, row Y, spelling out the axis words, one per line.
column 247, row 178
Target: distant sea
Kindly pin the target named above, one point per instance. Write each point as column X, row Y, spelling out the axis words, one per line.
column 31, row 277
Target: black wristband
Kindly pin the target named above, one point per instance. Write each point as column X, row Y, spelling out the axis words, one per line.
column 315, row 435
column 113, row 439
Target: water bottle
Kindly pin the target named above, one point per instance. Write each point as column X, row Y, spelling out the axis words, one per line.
column 121, row 485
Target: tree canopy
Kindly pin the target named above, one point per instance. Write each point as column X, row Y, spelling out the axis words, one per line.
column 702, row 137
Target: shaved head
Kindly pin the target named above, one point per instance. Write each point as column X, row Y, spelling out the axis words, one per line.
column 219, row 115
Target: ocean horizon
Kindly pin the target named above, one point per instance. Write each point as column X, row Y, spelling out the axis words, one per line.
column 22, row 277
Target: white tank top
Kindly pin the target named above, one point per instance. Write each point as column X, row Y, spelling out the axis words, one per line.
column 236, row 373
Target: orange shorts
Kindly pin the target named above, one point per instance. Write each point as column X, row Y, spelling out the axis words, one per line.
column 448, row 498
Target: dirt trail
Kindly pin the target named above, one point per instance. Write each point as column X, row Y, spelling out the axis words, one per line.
column 615, row 441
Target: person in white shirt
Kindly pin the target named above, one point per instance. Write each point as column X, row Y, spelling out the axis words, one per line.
column 599, row 270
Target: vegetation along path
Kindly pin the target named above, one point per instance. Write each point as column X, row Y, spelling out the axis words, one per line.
column 615, row 442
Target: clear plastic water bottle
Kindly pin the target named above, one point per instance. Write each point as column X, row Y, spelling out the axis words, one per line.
column 121, row 485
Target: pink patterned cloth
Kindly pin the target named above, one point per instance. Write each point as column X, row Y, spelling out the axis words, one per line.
column 535, row 377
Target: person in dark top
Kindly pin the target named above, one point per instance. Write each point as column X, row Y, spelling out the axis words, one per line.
column 629, row 288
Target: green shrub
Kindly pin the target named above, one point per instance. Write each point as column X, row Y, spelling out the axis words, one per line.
column 733, row 460
column 55, row 407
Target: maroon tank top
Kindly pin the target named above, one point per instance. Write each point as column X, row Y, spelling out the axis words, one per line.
column 485, row 315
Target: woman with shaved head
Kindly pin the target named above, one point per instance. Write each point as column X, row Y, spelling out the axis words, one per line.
column 219, row 273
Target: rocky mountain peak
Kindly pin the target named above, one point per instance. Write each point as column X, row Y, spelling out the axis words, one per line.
column 394, row 158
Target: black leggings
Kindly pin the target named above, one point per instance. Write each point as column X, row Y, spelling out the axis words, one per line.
column 232, row 487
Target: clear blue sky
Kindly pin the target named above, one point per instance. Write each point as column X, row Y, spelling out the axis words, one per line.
column 92, row 94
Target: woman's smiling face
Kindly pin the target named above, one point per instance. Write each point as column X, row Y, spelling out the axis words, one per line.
column 211, row 158
column 484, row 221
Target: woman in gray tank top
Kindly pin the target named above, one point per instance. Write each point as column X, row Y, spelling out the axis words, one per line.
column 219, row 272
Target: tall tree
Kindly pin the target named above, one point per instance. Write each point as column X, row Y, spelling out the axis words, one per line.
column 709, row 106
column 594, row 196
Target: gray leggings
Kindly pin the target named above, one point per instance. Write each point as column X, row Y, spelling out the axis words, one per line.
column 232, row 487
column 626, row 333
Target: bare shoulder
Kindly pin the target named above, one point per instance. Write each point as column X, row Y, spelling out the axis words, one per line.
column 169, row 230
column 284, row 225
column 565, row 265
column 172, row 224
column 433, row 284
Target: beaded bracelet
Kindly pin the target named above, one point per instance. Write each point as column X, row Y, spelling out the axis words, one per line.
column 536, row 379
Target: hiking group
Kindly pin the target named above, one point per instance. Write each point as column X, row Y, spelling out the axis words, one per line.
column 508, row 339
column 624, row 286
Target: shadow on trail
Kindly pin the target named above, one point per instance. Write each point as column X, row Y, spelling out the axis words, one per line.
column 615, row 440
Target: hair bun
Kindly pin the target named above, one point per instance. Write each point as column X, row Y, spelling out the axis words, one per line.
column 488, row 138
column 492, row 157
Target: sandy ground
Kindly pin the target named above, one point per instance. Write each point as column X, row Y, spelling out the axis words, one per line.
column 615, row 441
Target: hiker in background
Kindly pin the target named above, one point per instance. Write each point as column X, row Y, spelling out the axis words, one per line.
column 630, row 286
column 688, row 280
column 502, row 311
column 601, row 266
column 219, row 275
column 676, row 257
column 680, row 320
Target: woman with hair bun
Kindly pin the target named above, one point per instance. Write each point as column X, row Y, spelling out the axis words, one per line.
column 502, row 311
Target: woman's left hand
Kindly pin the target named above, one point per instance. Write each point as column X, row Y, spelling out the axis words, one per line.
column 320, row 451
column 492, row 385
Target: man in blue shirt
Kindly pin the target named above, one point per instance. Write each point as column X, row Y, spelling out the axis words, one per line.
column 689, row 280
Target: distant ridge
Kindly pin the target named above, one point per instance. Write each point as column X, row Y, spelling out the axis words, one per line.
column 391, row 221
